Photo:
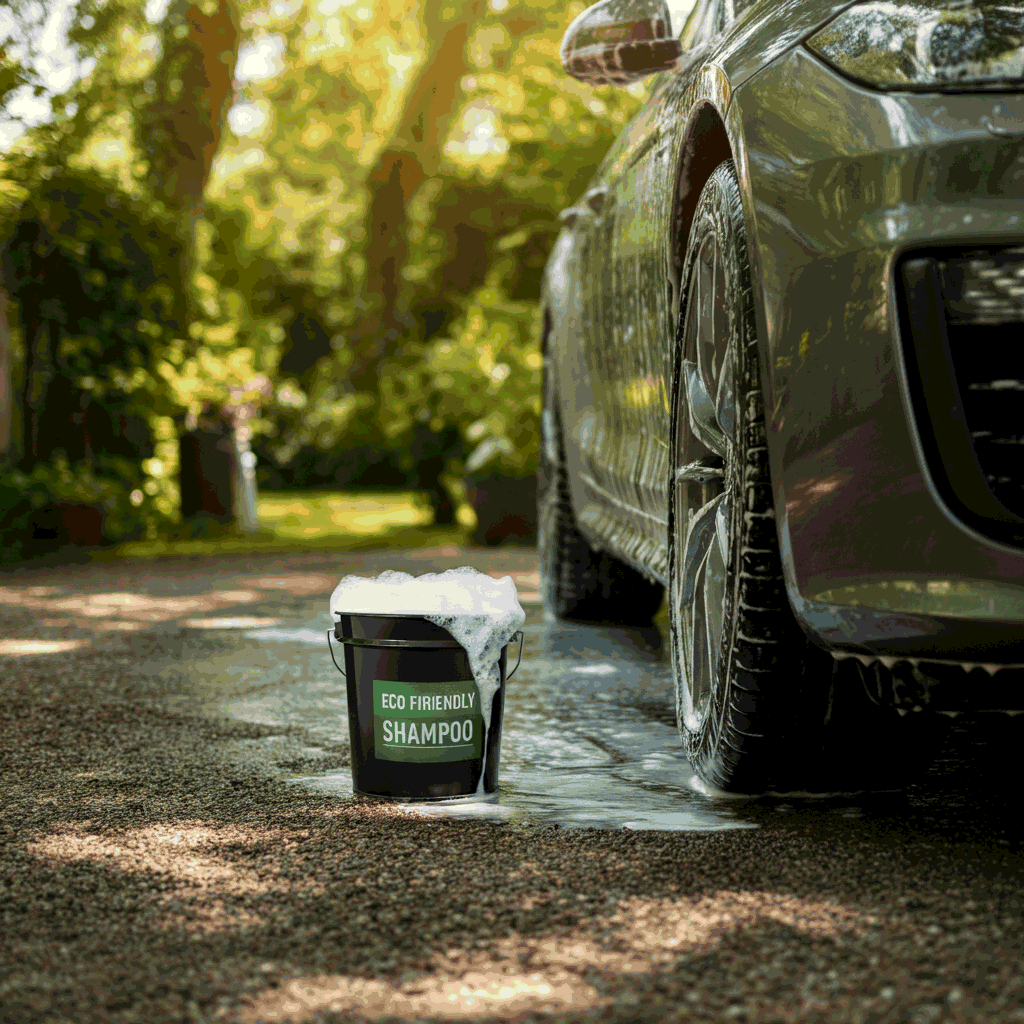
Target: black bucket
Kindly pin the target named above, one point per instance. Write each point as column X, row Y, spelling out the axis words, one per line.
column 418, row 731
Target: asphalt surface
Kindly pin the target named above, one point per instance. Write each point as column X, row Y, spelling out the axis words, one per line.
column 179, row 842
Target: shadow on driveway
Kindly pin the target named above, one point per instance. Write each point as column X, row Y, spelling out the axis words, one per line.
column 151, row 874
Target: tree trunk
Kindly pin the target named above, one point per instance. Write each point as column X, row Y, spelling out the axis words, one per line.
column 392, row 185
column 412, row 155
column 7, row 400
column 42, row 347
column 183, row 130
column 195, row 85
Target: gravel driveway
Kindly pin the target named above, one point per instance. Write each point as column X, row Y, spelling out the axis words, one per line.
column 151, row 876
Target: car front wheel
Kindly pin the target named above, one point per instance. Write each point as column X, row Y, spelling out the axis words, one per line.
column 759, row 707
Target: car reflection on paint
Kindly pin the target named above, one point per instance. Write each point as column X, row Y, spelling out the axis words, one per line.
column 783, row 373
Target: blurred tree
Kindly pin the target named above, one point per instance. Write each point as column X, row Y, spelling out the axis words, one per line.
column 393, row 161
column 21, row 27
column 157, row 96
column 525, row 143
column 89, row 308
column 190, row 89
column 93, row 274
column 413, row 152
column 7, row 399
column 88, row 268
column 360, row 240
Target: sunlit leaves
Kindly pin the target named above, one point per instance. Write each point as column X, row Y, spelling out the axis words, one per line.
column 484, row 377
column 357, row 137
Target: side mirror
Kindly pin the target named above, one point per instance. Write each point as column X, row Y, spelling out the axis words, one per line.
column 616, row 42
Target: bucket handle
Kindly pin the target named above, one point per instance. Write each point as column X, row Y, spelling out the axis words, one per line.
column 330, row 647
column 522, row 636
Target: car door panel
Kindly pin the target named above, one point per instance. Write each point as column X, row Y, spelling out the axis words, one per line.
column 581, row 385
column 593, row 419
column 626, row 487
column 638, row 330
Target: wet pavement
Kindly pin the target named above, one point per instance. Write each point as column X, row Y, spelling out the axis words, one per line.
column 589, row 735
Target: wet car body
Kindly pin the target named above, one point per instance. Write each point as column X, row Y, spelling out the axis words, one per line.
column 901, row 531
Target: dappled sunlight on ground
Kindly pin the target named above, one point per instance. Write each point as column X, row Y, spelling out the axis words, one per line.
column 162, row 865
column 238, row 622
column 444, row 551
column 139, row 607
column 195, row 855
column 219, row 888
column 641, row 937
column 121, row 611
column 476, row 995
column 147, row 596
column 660, row 926
column 20, row 648
column 293, row 583
column 204, row 592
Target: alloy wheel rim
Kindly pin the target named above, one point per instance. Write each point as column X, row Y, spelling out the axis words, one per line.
column 701, row 488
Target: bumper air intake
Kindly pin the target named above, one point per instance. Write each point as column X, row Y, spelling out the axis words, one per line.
column 962, row 335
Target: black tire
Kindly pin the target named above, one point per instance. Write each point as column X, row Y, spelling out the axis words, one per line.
column 579, row 583
column 760, row 708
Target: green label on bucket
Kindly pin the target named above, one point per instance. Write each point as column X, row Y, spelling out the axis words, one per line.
column 427, row 722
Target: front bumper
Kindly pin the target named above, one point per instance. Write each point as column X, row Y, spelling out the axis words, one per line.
column 843, row 183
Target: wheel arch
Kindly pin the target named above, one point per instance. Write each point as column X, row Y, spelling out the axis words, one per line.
column 713, row 135
column 705, row 146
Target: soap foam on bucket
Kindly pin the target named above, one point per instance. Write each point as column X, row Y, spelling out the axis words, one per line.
column 481, row 613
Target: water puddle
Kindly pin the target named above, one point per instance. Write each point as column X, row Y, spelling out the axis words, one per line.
column 317, row 637
column 588, row 740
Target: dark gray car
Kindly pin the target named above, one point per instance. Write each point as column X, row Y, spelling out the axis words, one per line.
column 784, row 366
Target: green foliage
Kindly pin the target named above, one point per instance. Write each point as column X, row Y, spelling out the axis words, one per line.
column 107, row 261
column 484, row 378
column 478, row 218
column 111, row 485
column 97, row 270
column 366, row 260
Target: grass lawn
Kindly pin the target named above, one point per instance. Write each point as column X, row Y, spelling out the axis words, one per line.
column 294, row 522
